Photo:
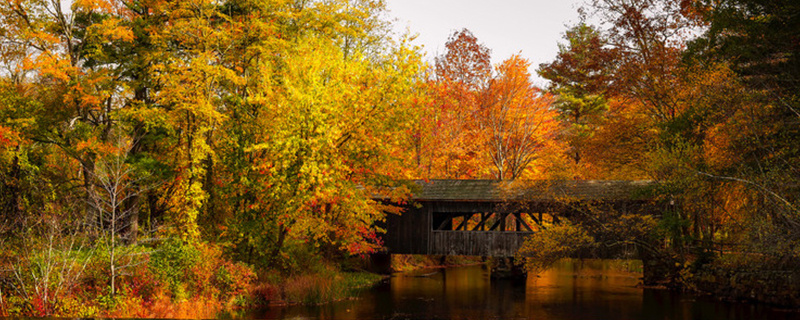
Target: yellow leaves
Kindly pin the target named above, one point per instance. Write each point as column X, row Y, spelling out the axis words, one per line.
column 540, row 250
column 186, row 207
column 329, row 121
column 93, row 5
column 113, row 30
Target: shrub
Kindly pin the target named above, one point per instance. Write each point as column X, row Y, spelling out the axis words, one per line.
column 232, row 279
column 172, row 263
column 542, row 249
column 200, row 271
column 326, row 285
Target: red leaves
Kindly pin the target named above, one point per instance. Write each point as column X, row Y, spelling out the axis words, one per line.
column 8, row 138
column 466, row 62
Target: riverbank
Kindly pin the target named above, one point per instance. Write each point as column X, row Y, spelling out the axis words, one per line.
column 754, row 278
column 179, row 280
column 411, row 262
column 322, row 286
column 750, row 278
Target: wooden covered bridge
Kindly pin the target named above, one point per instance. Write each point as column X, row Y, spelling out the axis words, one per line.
column 491, row 217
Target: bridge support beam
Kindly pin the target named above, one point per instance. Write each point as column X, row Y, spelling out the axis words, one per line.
column 658, row 270
column 380, row 262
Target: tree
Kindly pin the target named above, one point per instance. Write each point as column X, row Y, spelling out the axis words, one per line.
column 316, row 128
column 647, row 37
column 193, row 78
column 518, row 120
column 116, row 182
column 466, row 62
column 75, row 73
column 758, row 41
column 461, row 76
column 580, row 78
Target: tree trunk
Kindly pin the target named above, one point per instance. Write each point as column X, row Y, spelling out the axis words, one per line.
column 208, row 187
column 133, row 204
column 10, row 217
column 276, row 251
column 88, row 171
column 131, row 220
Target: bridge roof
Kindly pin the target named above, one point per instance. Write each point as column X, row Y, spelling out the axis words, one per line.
column 498, row 191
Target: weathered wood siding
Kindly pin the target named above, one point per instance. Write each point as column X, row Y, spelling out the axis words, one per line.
column 408, row 233
column 412, row 232
column 476, row 243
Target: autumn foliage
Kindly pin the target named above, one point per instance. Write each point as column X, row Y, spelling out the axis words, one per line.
column 481, row 122
column 157, row 155
column 244, row 131
column 690, row 95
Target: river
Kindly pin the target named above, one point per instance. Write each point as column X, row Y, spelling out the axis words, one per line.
column 572, row 289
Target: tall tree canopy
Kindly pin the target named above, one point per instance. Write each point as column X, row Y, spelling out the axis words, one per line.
column 581, row 77
column 256, row 123
column 479, row 121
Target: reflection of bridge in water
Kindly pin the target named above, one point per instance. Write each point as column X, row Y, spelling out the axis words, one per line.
column 491, row 218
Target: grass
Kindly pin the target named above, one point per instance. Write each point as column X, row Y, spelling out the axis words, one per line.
column 327, row 286
column 411, row 262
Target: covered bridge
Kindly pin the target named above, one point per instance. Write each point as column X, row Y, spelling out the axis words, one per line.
column 491, row 217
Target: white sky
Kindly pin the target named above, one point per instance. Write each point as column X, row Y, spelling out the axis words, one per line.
column 530, row 27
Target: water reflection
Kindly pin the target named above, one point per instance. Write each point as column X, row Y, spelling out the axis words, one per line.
column 570, row 290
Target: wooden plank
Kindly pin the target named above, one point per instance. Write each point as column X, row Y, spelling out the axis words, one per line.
column 476, row 243
column 446, row 222
column 461, row 207
column 500, row 222
column 482, row 224
column 463, row 223
column 520, row 221
column 495, row 190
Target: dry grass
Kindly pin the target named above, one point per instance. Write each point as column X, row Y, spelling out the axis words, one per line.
column 410, row 262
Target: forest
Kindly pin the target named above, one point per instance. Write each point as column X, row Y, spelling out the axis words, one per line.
column 176, row 158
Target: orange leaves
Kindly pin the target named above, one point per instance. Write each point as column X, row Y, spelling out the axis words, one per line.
column 479, row 125
column 517, row 119
column 113, row 30
column 93, row 5
column 466, row 62
column 8, row 138
column 50, row 65
column 445, row 144
column 44, row 37
column 102, row 149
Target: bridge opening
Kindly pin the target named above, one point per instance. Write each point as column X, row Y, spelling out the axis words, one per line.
column 493, row 221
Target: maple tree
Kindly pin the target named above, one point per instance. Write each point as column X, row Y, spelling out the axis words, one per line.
column 517, row 120
column 477, row 122
column 461, row 76
column 466, row 62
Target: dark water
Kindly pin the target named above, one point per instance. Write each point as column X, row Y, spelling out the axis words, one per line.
column 570, row 290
